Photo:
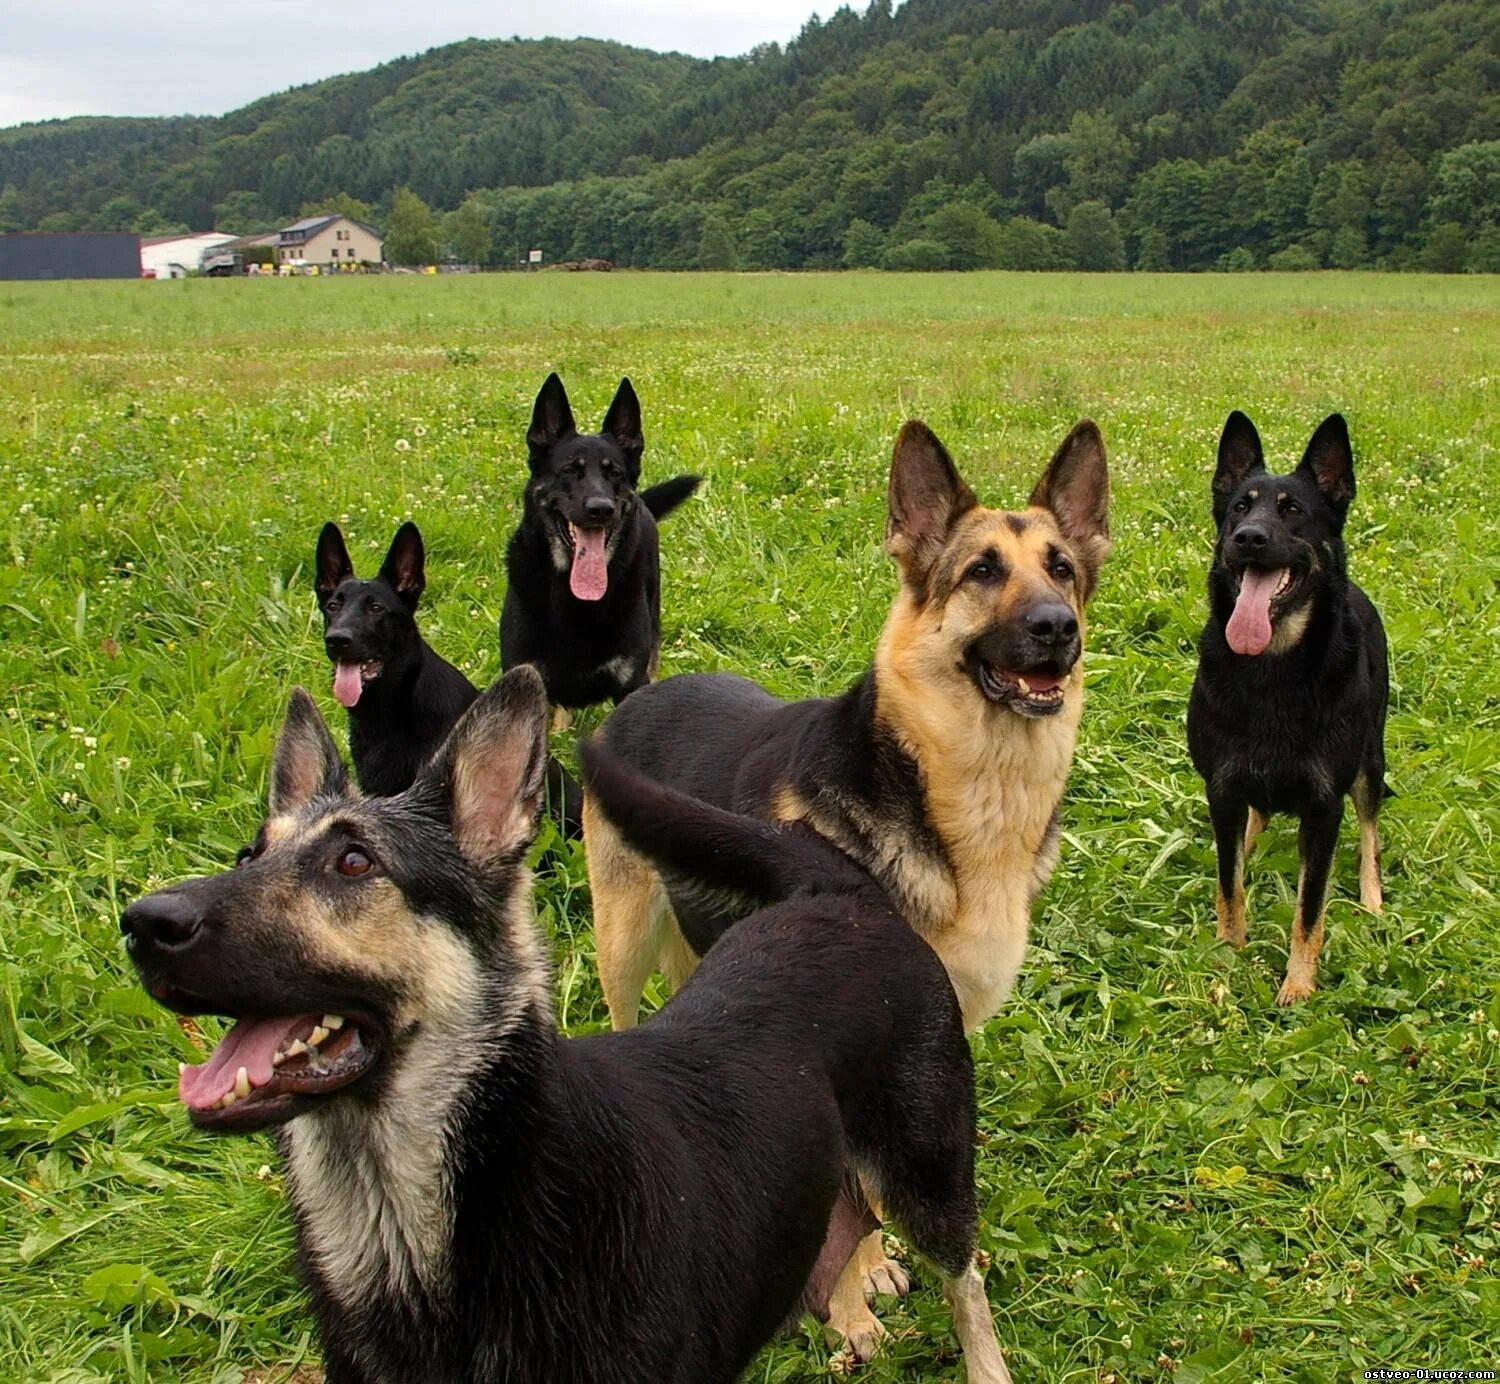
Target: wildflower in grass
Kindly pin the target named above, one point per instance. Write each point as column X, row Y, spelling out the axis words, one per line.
column 402, row 445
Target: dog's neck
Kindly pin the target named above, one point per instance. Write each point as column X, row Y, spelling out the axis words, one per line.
column 992, row 781
column 372, row 1179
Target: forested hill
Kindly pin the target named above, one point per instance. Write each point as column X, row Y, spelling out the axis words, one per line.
column 1025, row 133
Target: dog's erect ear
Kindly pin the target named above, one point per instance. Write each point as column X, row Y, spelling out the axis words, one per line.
column 405, row 565
column 492, row 768
column 1075, row 490
column 306, row 764
column 332, row 565
column 1240, row 455
column 924, row 498
column 1330, row 459
column 623, row 423
column 551, row 418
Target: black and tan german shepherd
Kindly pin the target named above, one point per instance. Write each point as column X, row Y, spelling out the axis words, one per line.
column 479, row 1201
column 583, row 604
column 402, row 697
column 940, row 771
column 1288, row 709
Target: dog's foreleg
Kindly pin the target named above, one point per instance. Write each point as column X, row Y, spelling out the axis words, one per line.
column 1229, row 821
column 848, row 1312
column 1317, row 840
column 1367, row 795
column 974, row 1326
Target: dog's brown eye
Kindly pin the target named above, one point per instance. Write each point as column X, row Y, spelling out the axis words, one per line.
column 376, row 607
column 1240, row 506
column 354, row 862
column 1291, row 507
column 982, row 572
column 1062, row 569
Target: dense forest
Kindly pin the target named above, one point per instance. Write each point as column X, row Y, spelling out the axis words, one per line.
column 1094, row 134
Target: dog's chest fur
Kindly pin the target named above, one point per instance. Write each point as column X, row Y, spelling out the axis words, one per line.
column 991, row 783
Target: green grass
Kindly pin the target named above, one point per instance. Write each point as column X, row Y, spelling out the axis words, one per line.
column 1178, row 1180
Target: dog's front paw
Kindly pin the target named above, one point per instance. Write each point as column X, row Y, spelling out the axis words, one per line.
column 888, row 1277
column 861, row 1331
column 1295, row 989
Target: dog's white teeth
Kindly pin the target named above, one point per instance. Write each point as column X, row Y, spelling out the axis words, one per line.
column 278, row 1059
column 333, row 1021
column 317, row 1036
column 1024, row 686
column 294, row 1049
column 227, row 1099
column 242, row 1083
column 181, row 1068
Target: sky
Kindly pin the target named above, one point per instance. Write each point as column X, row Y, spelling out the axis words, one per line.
column 187, row 57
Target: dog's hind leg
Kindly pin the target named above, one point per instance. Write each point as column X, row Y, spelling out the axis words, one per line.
column 1253, row 830
column 1369, row 790
column 1317, row 839
column 1229, row 819
column 630, row 916
column 974, row 1325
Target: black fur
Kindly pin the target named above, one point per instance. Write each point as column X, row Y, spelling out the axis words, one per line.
column 588, row 651
column 1297, row 727
column 727, row 741
column 405, row 713
column 623, row 1207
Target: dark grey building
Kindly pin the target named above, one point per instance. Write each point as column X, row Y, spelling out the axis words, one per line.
column 75, row 255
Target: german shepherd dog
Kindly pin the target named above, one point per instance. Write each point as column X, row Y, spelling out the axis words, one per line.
column 583, row 603
column 402, row 698
column 940, row 771
column 1288, row 709
column 478, row 1200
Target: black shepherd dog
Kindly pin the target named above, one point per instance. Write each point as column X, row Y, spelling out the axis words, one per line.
column 480, row 1201
column 402, row 698
column 1288, row 709
column 584, row 600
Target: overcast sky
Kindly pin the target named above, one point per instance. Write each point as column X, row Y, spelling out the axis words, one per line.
column 176, row 57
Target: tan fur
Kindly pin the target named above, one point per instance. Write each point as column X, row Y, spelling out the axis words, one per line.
column 1253, row 829
column 1366, row 794
column 992, row 778
column 1231, row 911
column 1307, row 944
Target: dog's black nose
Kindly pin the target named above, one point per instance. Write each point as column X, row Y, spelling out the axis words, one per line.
column 1250, row 536
column 166, row 919
column 600, row 510
column 1052, row 622
column 337, row 645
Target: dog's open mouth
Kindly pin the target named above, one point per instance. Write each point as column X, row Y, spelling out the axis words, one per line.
column 1263, row 594
column 1036, row 692
column 349, row 679
column 588, row 578
column 261, row 1067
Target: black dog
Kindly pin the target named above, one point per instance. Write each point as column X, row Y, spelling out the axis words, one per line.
column 402, row 698
column 479, row 1200
column 1288, row 709
column 584, row 598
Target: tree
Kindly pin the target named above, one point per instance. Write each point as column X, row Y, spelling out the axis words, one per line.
column 1446, row 250
column 1294, row 258
column 970, row 239
column 467, row 232
column 1151, row 251
column 1027, row 244
column 1097, row 160
column 1466, row 190
column 1348, row 249
column 1094, row 238
column 915, row 254
column 242, row 213
column 715, row 247
column 863, row 245
column 411, row 237
column 761, row 243
column 340, row 204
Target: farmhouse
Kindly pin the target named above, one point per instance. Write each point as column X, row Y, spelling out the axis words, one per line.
column 70, row 255
column 331, row 240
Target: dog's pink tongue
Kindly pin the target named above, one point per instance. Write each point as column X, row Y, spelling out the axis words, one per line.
column 347, row 683
column 1249, row 628
column 252, row 1044
column 588, row 579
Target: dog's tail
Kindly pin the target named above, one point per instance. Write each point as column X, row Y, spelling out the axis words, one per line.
column 663, row 498
column 687, row 839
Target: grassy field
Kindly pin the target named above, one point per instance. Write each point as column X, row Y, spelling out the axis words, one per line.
column 1179, row 1180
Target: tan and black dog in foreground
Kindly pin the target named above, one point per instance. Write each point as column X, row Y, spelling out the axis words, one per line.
column 940, row 771
column 481, row 1201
